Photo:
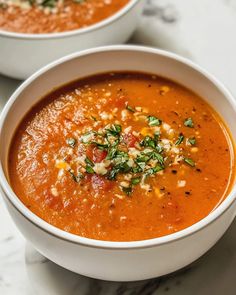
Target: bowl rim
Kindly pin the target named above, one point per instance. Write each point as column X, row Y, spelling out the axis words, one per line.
column 101, row 244
column 91, row 28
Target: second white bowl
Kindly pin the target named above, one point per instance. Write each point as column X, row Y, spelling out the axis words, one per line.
column 22, row 54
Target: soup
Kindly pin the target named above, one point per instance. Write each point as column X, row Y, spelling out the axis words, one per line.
column 122, row 157
column 53, row 16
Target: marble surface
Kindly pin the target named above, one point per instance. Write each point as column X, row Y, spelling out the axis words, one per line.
column 203, row 31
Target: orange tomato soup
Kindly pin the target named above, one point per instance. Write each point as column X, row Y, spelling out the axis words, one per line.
column 122, row 157
column 53, row 16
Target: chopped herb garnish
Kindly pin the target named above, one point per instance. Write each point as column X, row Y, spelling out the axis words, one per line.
column 188, row 122
column 71, row 142
column 148, row 157
column 135, row 181
column 192, row 140
column 153, row 121
column 101, row 146
column 154, row 170
column 122, row 167
column 148, row 142
column 122, row 156
column 142, row 158
column 89, row 162
column 111, row 153
column 127, row 190
column 89, row 169
column 158, row 157
column 180, row 139
column 189, row 161
column 94, row 118
column 156, row 135
column 129, row 108
column 74, row 177
column 114, row 130
column 140, row 168
column 49, row 3
column 89, row 166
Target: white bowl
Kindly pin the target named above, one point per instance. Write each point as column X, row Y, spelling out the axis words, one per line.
column 117, row 261
column 22, row 54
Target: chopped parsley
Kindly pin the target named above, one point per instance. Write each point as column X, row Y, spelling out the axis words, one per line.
column 74, row 177
column 153, row 170
column 136, row 180
column 148, row 141
column 121, row 162
column 180, row 139
column 189, row 161
column 127, row 190
column 129, row 108
column 192, row 140
column 189, row 122
column 153, row 121
column 89, row 169
column 114, row 130
column 94, row 118
column 101, row 146
column 89, row 162
column 89, row 166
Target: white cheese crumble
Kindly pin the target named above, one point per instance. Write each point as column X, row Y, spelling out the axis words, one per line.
column 124, row 184
column 166, row 126
column 100, row 168
column 54, row 191
column 181, row 183
column 127, row 129
column 87, row 137
column 124, row 115
column 105, row 116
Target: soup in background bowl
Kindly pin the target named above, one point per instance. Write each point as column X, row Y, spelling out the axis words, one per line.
column 46, row 30
column 39, row 17
column 127, row 165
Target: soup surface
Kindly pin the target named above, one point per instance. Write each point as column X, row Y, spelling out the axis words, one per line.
column 122, row 157
column 52, row 16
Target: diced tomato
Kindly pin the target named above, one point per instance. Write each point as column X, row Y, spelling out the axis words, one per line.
column 89, row 152
column 99, row 155
column 100, row 183
column 96, row 155
column 130, row 140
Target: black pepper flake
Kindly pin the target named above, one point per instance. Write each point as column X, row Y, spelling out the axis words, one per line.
column 187, row 193
column 174, row 171
column 198, row 170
